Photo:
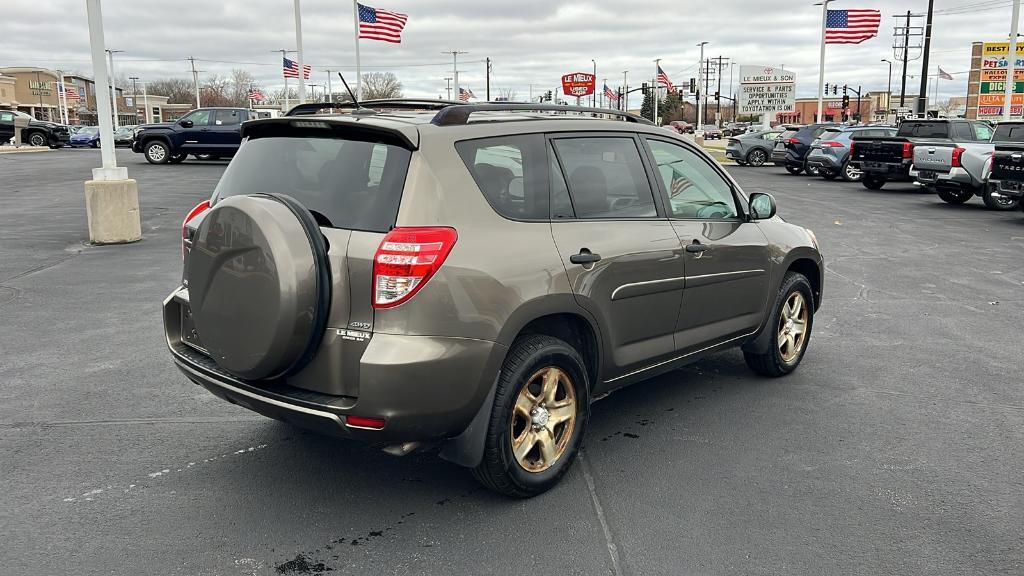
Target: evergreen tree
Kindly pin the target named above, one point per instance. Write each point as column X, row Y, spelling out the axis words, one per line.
column 647, row 108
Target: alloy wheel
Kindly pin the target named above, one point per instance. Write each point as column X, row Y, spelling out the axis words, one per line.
column 156, row 153
column 792, row 327
column 543, row 419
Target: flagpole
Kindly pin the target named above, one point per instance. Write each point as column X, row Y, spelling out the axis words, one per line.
column 821, row 59
column 298, row 42
column 1011, row 73
column 657, row 65
column 359, row 74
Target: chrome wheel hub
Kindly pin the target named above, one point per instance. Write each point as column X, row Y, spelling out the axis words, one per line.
column 539, row 416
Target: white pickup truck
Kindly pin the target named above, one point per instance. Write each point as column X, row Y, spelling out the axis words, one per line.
column 956, row 168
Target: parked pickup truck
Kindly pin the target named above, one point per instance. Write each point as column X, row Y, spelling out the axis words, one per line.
column 208, row 132
column 884, row 159
column 1004, row 178
column 956, row 169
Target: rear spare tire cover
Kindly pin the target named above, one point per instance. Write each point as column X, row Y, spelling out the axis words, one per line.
column 259, row 285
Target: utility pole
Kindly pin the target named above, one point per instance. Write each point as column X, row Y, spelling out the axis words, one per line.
column 113, row 88
column 448, row 86
column 625, row 91
column 719, row 65
column 906, row 57
column 1011, row 68
column 888, row 93
column 707, row 88
column 593, row 97
column 135, row 95
column 488, row 72
column 298, row 54
column 455, row 67
column 700, row 74
column 922, row 97
column 195, row 79
column 330, row 91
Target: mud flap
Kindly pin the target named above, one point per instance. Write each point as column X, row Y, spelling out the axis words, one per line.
column 467, row 449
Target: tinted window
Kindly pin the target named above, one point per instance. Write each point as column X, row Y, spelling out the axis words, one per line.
column 982, row 131
column 962, row 131
column 606, row 177
column 1009, row 133
column 694, row 188
column 918, row 129
column 6, row 116
column 227, row 117
column 787, row 134
column 510, row 172
column 830, row 134
column 199, row 117
column 345, row 183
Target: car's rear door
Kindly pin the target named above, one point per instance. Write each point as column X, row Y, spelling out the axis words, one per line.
column 725, row 255
column 621, row 255
column 225, row 132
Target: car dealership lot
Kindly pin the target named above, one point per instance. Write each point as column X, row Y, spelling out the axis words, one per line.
column 895, row 448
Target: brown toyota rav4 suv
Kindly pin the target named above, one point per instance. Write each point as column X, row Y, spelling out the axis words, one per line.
column 472, row 277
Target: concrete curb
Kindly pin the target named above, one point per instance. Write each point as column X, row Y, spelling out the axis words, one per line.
column 23, row 149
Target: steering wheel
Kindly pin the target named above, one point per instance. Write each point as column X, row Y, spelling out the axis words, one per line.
column 714, row 210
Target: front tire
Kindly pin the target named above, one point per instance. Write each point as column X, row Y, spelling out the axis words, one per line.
column 157, row 152
column 757, row 157
column 873, row 182
column 540, row 412
column 37, row 139
column 829, row 174
column 955, row 196
column 791, row 321
column 996, row 201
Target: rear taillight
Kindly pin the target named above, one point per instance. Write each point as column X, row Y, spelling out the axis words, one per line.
column 955, row 160
column 792, row 141
column 908, row 150
column 851, row 148
column 405, row 260
column 365, row 422
column 199, row 209
column 831, row 144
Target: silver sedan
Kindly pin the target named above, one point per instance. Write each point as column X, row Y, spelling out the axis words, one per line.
column 753, row 148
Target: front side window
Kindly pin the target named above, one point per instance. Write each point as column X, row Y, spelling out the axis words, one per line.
column 606, row 177
column 510, row 172
column 982, row 131
column 199, row 117
column 695, row 190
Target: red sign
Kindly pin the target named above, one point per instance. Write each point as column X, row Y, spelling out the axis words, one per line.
column 578, row 84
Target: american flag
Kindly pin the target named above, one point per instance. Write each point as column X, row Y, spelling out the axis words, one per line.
column 255, row 94
column 291, row 69
column 465, row 94
column 851, row 26
column 679, row 184
column 380, row 24
column 71, row 94
column 610, row 94
column 663, row 79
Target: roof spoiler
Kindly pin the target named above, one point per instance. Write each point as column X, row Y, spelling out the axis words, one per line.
column 458, row 115
column 310, row 108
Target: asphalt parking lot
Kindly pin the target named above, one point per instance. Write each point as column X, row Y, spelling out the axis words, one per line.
column 896, row 448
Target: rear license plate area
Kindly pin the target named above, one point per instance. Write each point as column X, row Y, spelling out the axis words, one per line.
column 1010, row 185
column 927, row 175
column 874, row 165
column 189, row 335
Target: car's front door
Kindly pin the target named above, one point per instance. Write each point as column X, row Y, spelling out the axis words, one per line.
column 225, row 132
column 6, row 126
column 726, row 256
column 620, row 252
column 194, row 132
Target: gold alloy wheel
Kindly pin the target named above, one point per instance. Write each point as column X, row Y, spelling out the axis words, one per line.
column 543, row 419
column 793, row 326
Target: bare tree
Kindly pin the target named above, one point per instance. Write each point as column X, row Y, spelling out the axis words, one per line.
column 240, row 83
column 177, row 90
column 378, row 85
column 507, row 94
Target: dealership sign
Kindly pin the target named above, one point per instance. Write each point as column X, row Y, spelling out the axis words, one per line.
column 765, row 90
column 578, row 84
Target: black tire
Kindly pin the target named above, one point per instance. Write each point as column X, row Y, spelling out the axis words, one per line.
column 95, row 144
column 872, row 182
column 850, row 174
column 757, row 157
column 829, row 174
column 38, row 139
column 499, row 470
column 989, row 197
column 178, row 158
column 794, row 170
column 955, row 196
column 740, row 162
column 812, row 170
column 156, row 152
column 207, row 157
column 772, row 363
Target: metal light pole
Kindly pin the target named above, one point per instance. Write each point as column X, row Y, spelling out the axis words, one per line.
column 593, row 97
column 888, row 91
column 455, row 67
column 298, row 53
column 654, row 86
column 700, row 78
column 821, row 61
column 330, row 91
column 135, row 95
column 625, row 90
column 448, row 86
column 1011, row 68
column 113, row 88
column 195, row 79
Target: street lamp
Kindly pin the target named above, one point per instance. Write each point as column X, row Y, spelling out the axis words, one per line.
column 888, row 91
column 113, row 88
column 593, row 97
column 700, row 79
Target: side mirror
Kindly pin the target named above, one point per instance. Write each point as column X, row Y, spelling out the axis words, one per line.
column 762, row 206
column 186, row 123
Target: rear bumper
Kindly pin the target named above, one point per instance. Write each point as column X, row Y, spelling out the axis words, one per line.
column 888, row 170
column 823, row 161
column 425, row 387
column 1011, row 188
column 955, row 177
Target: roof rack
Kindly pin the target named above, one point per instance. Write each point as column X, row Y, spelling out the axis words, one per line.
column 310, row 108
column 458, row 115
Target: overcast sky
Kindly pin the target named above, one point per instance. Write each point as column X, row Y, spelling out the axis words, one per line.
column 529, row 41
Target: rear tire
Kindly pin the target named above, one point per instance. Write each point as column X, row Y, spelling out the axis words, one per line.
column 955, row 196
column 756, row 157
column 791, row 329
column 812, row 170
column 851, row 174
column 794, row 170
column 157, row 152
column 829, row 174
column 873, row 182
column 178, row 158
column 516, row 425
column 37, row 139
column 995, row 201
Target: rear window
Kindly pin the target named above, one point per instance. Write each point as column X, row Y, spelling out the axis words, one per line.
column 511, row 173
column 345, row 183
column 916, row 129
column 1009, row 133
column 830, row 134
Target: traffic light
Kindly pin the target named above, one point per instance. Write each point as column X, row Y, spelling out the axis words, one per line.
column 717, row 96
column 547, row 96
column 844, row 90
column 693, row 85
column 835, row 89
column 846, row 101
column 644, row 89
column 826, row 87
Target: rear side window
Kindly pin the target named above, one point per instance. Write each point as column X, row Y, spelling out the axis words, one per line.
column 1009, row 133
column 227, row 118
column 787, row 134
column 962, row 131
column 606, row 177
column 345, row 183
column 911, row 128
column 830, row 134
column 511, row 173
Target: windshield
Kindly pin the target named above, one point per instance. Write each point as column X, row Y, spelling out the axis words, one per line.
column 344, row 183
column 89, row 130
column 911, row 128
column 1009, row 133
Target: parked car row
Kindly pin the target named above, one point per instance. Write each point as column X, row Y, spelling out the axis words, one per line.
column 957, row 159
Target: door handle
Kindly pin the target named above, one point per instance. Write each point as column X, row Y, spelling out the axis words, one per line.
column 584, row 257
column 696, row 247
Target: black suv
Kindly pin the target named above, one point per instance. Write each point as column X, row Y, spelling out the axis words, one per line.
column 798, row 145
column 208, row 132
column 38, row 132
